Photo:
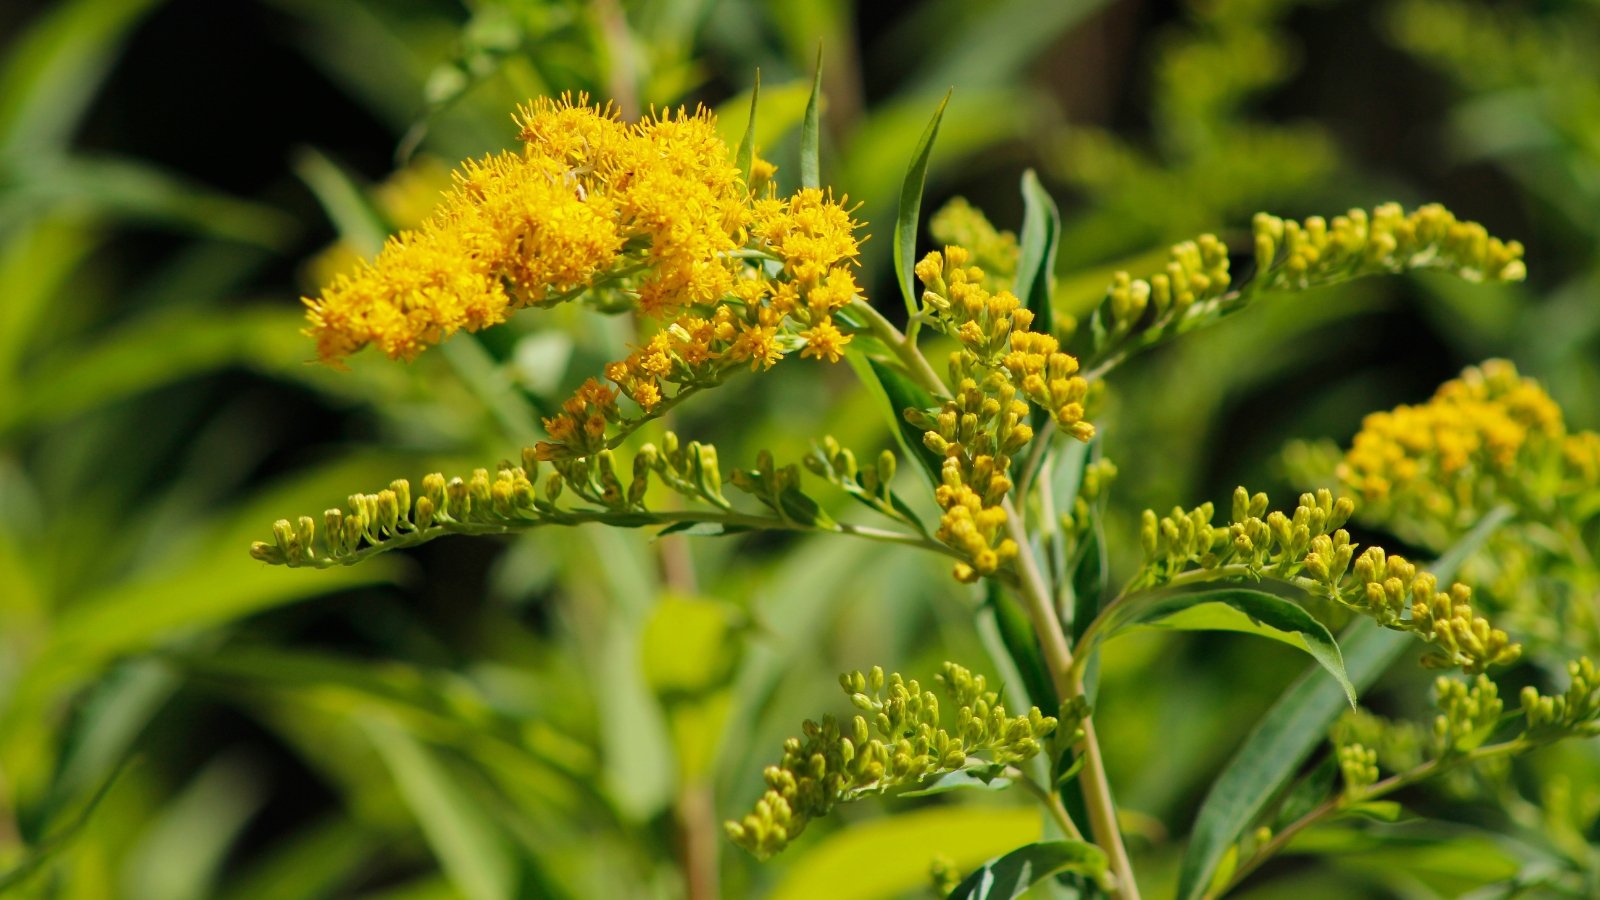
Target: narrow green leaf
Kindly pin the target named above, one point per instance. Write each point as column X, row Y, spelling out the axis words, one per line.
column 701, row 529
column 1376, row 810
column 347, row 206
column 181, row 850
column 905, row 223
column 1016, row 632
column 472, row 850
column 811, row 133
column 901, row 394
column 1246, row 611
column 52, row 71
column 1041, row 235
column 138, row 191
column 1012, row 874
column 46, row 849
column 746, row 155
column 1297, row 723
column 983, row 778
column 888, row 856
column 800, row 507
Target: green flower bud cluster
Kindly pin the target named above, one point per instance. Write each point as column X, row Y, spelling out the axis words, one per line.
column 1310, row 546
column 1467, row 715
column 1399, row 744
column 1359, row 766
column 1279, row 543
column 476, row 504
column 897, row 742
column 1097, row 479
column 995, row 252
column 1294, row 256
column 689, row 469
column 868, row 484
column 514, row 498
column 1196, row 272
column 943, row 876
column 778, row 488
column 1576, row 712
column 1397, row 596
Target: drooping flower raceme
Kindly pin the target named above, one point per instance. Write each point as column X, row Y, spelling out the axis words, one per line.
column 655, row 209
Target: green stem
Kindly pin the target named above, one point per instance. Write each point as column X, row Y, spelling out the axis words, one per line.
column 1379, row 790
column 625, row 519
column 1050, row 800
column 1058, row 659
column 903, row 348
column 1046, row 624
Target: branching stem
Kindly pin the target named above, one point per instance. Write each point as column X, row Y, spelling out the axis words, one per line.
column 1377, row 791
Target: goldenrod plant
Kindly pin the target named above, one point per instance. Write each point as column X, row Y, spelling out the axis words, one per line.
column 728, row 272
column 658, row 417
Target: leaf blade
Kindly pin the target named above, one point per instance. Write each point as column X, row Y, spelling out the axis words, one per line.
column 1266, row 615
column 1011, row 875
column 811, row 133
column 910, row 210
column 1041, row 237
column 744, row 158
column 1293, row 727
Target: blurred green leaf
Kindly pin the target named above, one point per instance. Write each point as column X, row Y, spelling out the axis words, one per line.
column 138, row 192
column 315, row 861
column 887, row 857
column 353, row 215
column 473, row 851
column 52, row 71
column 92, row 374
column 181, row 852
column 998, row 45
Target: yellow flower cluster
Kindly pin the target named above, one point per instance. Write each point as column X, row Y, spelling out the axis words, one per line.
column 1293, row 256
column 1311, row 544
column 796, row 276
column 897, row 744
column 656, row 206
column 1490, row 436
column 1000, row 368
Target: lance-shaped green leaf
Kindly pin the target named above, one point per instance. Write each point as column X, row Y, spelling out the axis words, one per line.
column 1244, row 610
column 1041, row 235
column 1013, row 874
column 905, row 222
column 1296, row 724
column 897, row 393
column 1016, row 633
column 746, row 155
column 811, row 133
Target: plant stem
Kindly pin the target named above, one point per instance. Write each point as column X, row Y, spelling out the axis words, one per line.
column 1046, row 625
column 700, row 834
column 904, row 349
column 1058, row 658
column 623, row 519
column 1382, row 789
column 1050, row 800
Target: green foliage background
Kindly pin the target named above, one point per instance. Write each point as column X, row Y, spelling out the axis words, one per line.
column 543, row 716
